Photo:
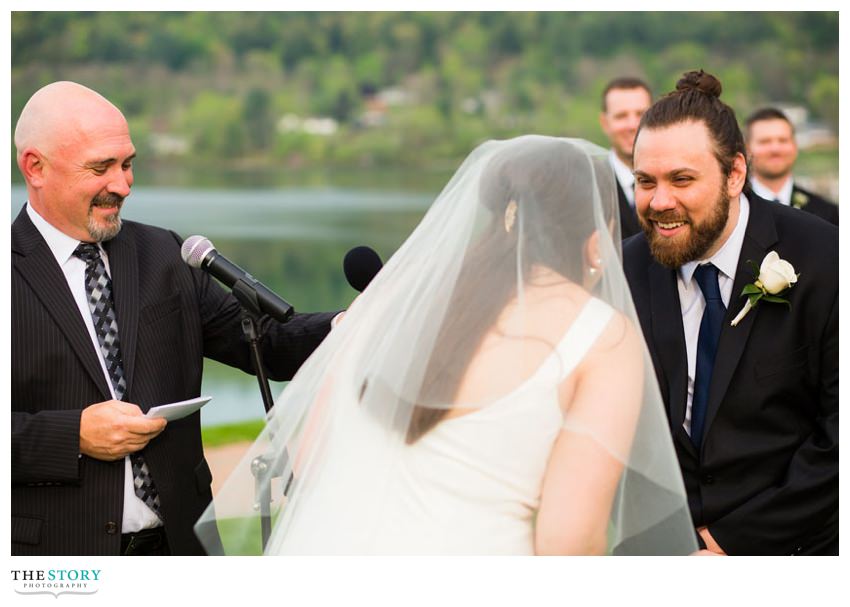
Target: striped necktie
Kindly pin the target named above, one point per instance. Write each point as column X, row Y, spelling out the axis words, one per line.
column 99, row 291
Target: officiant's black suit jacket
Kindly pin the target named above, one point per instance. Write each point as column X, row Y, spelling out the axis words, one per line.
column 766, row 478
column 170, row 316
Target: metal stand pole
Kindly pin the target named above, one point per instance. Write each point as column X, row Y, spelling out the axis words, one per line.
column 260, row 465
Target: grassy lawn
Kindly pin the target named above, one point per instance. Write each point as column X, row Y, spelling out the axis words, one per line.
column 216, row 436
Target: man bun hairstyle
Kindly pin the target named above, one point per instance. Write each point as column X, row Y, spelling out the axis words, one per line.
column 697, row 99
column 700, row 81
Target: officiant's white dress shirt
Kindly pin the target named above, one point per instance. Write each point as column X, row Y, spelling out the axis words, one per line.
column 137, row 515
column 693, row 302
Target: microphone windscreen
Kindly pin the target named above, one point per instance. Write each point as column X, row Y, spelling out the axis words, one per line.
column 360, row 265
column 195, row 249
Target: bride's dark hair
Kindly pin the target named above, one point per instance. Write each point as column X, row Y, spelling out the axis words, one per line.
column 552, row 185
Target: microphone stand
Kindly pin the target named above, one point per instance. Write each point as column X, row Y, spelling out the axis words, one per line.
column 260, row 465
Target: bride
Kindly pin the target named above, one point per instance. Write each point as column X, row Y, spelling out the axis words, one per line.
column 489, row 393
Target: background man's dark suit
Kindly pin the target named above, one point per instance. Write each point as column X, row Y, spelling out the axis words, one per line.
column 170, row 317
column 766, row 480
column 815, row 204
column 629, row 225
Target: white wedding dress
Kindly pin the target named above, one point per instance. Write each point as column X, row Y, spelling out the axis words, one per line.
column 424, row 423
column 470, row 485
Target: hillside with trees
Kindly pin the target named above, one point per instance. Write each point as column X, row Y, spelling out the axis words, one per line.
column 360, row 90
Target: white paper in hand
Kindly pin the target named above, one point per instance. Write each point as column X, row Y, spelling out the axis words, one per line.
column 173, row 411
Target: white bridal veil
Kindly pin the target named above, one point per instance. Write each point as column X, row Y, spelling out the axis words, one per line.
column 482, row 293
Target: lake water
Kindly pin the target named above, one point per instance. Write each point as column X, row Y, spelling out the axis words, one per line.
column 292, row 239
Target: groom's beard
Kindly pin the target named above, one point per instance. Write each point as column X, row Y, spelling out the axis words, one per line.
column 694, row 243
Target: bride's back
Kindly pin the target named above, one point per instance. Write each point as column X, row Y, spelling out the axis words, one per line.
column 464, row 403
column 470, row 484
column 525, row 333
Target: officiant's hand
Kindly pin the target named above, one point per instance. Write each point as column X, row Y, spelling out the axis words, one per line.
column 113, row 429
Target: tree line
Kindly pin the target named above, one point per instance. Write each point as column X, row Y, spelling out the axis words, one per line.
column 403, row 89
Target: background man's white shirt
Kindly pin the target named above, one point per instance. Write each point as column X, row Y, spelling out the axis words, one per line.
column 624, row 176
column 783, row 196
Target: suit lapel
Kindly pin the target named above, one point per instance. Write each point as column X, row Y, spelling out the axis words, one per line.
column 668, row 335
column 759, row 237
column 628, row 219
column 124, row 268
column 39, row 269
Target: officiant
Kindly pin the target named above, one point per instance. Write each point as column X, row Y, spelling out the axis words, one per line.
column 107, row 321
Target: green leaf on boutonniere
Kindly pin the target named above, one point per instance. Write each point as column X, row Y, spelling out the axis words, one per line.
column 749, row 289
column 776, row 299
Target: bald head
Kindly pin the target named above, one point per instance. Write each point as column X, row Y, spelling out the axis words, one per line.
column 61, row 112
column 76, row 156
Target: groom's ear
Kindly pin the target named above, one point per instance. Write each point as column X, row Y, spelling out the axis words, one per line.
column 737, row 176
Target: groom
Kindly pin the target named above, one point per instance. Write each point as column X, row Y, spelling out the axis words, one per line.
column 753, row 408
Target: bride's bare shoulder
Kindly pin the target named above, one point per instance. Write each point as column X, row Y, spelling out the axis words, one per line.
column 620, row 339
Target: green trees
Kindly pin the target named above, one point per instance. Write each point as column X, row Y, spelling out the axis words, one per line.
column 396, row 88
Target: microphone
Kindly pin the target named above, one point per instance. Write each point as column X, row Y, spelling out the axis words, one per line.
column 360, row 265
column 199, row 252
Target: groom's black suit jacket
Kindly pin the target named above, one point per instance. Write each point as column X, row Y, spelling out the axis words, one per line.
column 765, row 480
column 170, row 317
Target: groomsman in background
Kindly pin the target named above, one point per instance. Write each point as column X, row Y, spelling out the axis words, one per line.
column 751, row 394
column 624, row 101
column 773, row 150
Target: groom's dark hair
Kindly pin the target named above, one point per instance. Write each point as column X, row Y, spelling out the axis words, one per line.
column 697, row 98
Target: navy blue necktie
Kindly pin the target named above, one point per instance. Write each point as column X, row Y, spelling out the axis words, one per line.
column 709, row 335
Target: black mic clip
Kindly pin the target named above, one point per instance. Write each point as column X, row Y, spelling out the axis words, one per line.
column 245, row 292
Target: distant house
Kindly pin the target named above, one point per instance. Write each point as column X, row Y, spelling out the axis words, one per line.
column 809, row 134
column 322, row 125
column 165, row 144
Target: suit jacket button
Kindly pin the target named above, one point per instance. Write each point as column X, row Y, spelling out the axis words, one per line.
column 111, row 528
column 708, row 479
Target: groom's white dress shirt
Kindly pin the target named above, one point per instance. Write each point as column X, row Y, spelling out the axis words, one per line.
column 693, row 302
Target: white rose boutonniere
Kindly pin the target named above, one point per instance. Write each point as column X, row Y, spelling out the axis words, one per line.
column 799, row 200
column 774, row 277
